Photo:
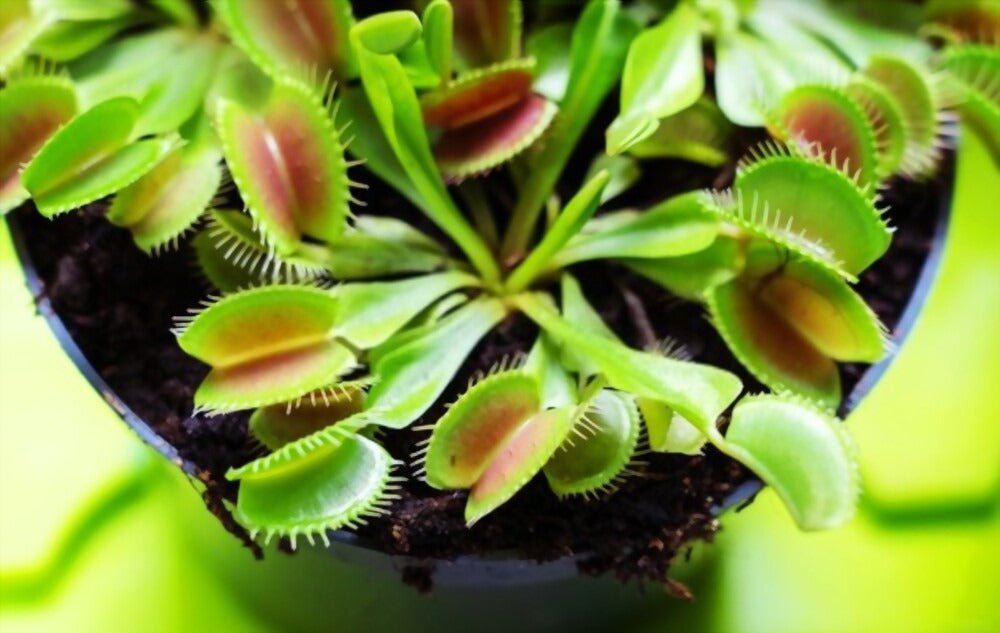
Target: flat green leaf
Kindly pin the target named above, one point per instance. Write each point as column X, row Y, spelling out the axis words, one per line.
column 373, row 312
column 395, row 105
column 700, row 133
column 438, row 30
column 804, row 454
column 83, row 11
column 411, row 377
column 547, row 45
column 394, row 230
column 577, row 310
column 583, row 465
column 64, row 41
column 129, row 66
column 557, row 388
column 288, row 162
column 334, row 485
column 856, row 39
column 237, row 79
column 180, row 11
column 356, row 255
column 91, row 157
column 691, row 276
column 663, row 75
column 698, row 392
column 31, row 110
column 746, row 73
column 371, row 145
column 388, row 33
column 679, row 226
column 19, row 27
column 292, row 36
column 175, row 96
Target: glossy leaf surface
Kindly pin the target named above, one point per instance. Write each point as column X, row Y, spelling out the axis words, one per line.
column 288, row 162
column 815, row 208
column 585, row 464
column 679, row 226
column 411, row 377
column 370, row 313
column 691, row 276
column 700, row 133
column 293, row 36
column 336, row 484
column 669, row 432
column 698, row 392
column 31, row 110
column 521, row 457
column 801, row 452
column 478, row 94
column 663, row 75
column 91, row 157
column 826, row 121
column 163, row 204
column 470, row 435
column 281, row 424
column 266, row 345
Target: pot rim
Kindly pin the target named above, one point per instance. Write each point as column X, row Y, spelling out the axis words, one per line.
column 502, row 568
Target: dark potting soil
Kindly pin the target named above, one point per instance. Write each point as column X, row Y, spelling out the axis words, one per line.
column 118, row 304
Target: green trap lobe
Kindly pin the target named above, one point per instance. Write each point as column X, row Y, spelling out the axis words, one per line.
column 771, row 349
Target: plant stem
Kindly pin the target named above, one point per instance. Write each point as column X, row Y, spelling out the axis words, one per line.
column 568, row 224
column 600, row 42
column 544, row 174
column 482, row 217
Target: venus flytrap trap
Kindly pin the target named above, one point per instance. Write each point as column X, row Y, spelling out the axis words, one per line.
column 345, row 318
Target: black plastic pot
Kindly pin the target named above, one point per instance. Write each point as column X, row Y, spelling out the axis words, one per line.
column 502, row 569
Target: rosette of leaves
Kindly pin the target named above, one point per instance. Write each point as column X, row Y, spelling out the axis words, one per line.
column 333, row 321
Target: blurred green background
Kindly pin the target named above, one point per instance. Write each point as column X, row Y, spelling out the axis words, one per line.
column 99, row 534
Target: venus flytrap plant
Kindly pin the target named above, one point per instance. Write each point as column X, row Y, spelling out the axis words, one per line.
column 338, row 324
column 32, row 108
column 92, row 156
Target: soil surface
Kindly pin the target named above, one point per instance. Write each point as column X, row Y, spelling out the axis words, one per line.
column 118, row 304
